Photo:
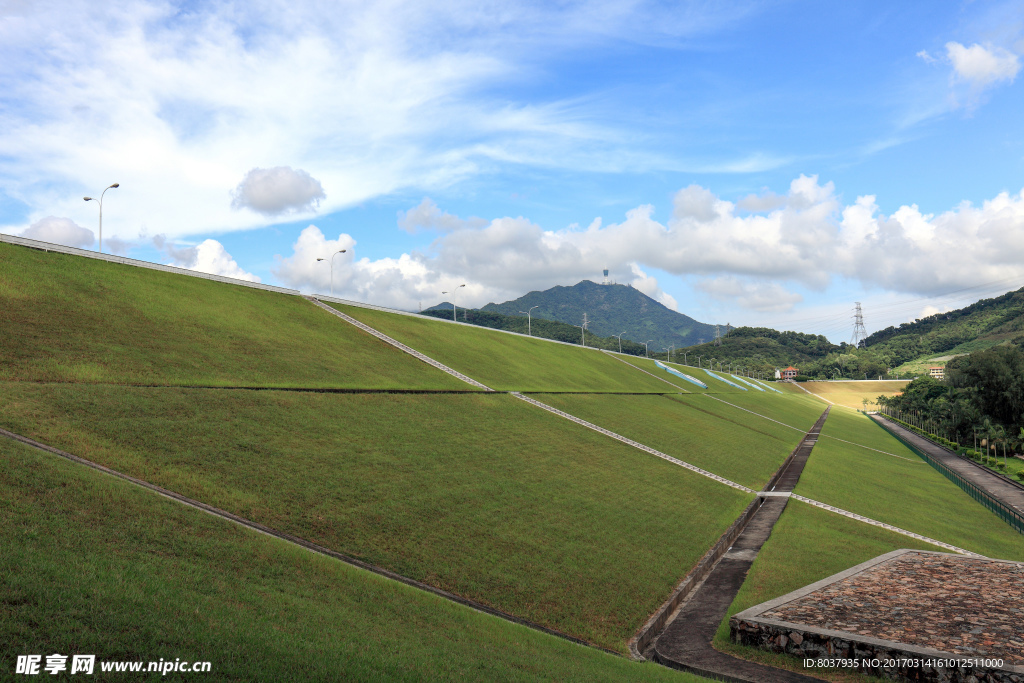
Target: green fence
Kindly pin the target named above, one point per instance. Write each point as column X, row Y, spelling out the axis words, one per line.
column 1000, row 509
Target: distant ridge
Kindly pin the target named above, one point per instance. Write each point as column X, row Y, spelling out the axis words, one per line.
column 611, row 309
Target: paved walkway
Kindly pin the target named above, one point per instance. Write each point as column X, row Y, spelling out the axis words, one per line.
column 1008, row 493
column 686, row 642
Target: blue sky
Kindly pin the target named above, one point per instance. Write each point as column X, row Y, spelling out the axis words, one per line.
column 752, row 163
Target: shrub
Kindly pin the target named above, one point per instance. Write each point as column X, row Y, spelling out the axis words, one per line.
column 1020, row 475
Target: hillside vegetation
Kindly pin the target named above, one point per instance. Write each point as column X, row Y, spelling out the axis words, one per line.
column 509, row 362
column 70, row 319
column 151, row 579
column 537, row 327
column 479, row 494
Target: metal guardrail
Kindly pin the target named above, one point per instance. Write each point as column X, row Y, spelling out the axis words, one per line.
column 994, row 505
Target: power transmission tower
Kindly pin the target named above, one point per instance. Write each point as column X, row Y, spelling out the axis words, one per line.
column 860, row 333
column 718, row 336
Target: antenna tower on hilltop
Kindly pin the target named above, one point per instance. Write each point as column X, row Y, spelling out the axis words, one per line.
column 718, row 336
column 860, row 333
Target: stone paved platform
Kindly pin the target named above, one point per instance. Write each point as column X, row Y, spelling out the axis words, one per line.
column 912, row 602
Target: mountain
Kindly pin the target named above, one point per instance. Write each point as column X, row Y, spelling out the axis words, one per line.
column 611, row 309
column 981, row 325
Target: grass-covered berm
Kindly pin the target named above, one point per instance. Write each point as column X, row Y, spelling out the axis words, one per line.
column 740, row 444
column 71, row 319
column 479, row 494
column 509, row 362
column 93, row 565
column 892, row 484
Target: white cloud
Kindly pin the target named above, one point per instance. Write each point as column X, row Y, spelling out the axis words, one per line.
column 754, row 261
column 60, row 231
column 427, row 216
column 766, row 297
column 982, row 66
column 923, row 54
column 278, row 190
column 209, row 256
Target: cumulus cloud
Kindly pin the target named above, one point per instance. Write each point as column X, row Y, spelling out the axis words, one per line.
column 756, row 261
column 766, row 297
column 982, row 66
column 60, row 231
column 278, row 190
column 427, row 216
column 209, row 256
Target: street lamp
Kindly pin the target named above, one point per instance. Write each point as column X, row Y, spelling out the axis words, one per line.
column 454, row 291
column 684, row 357
column 340, row 251
column 100, row 200
column 619, row 337
column 529, row 328
column 646, row 354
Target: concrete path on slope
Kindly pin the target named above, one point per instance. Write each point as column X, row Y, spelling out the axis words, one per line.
column 1008, row 493
column 686, row 641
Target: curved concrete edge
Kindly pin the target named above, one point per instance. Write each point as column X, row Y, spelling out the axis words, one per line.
column 306, row 545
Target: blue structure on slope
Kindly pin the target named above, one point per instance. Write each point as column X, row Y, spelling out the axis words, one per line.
column 722, row 379
column 749, row 384
column 692, row 380
column 769, row 388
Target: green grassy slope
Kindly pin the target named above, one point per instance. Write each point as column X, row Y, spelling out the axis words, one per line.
column 907, row 493
column 695, row 429
column 482, row 495
column 508, row 362
column 71, row 319
column 153, row 579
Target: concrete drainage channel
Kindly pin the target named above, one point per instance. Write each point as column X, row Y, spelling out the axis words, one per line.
column 690, row 624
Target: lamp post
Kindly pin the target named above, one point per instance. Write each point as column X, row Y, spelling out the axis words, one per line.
column 646, row 354
column 529, row 327
column 698, row 362
column 454, row 291
column 684, row 357
column 340, row 251
column 619, row 337
column 100, row 200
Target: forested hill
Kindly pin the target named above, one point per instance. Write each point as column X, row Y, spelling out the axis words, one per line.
column 764, row 348
column 981, row 325
column 611, row 309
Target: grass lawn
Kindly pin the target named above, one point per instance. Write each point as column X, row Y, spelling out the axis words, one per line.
column 482, row 495
column 72, row 319
column 695, row 429
column 852, row 394
column 906, row 493
column 807, row 545
column 94, row 565
column 507, row 362
column 800, row 412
